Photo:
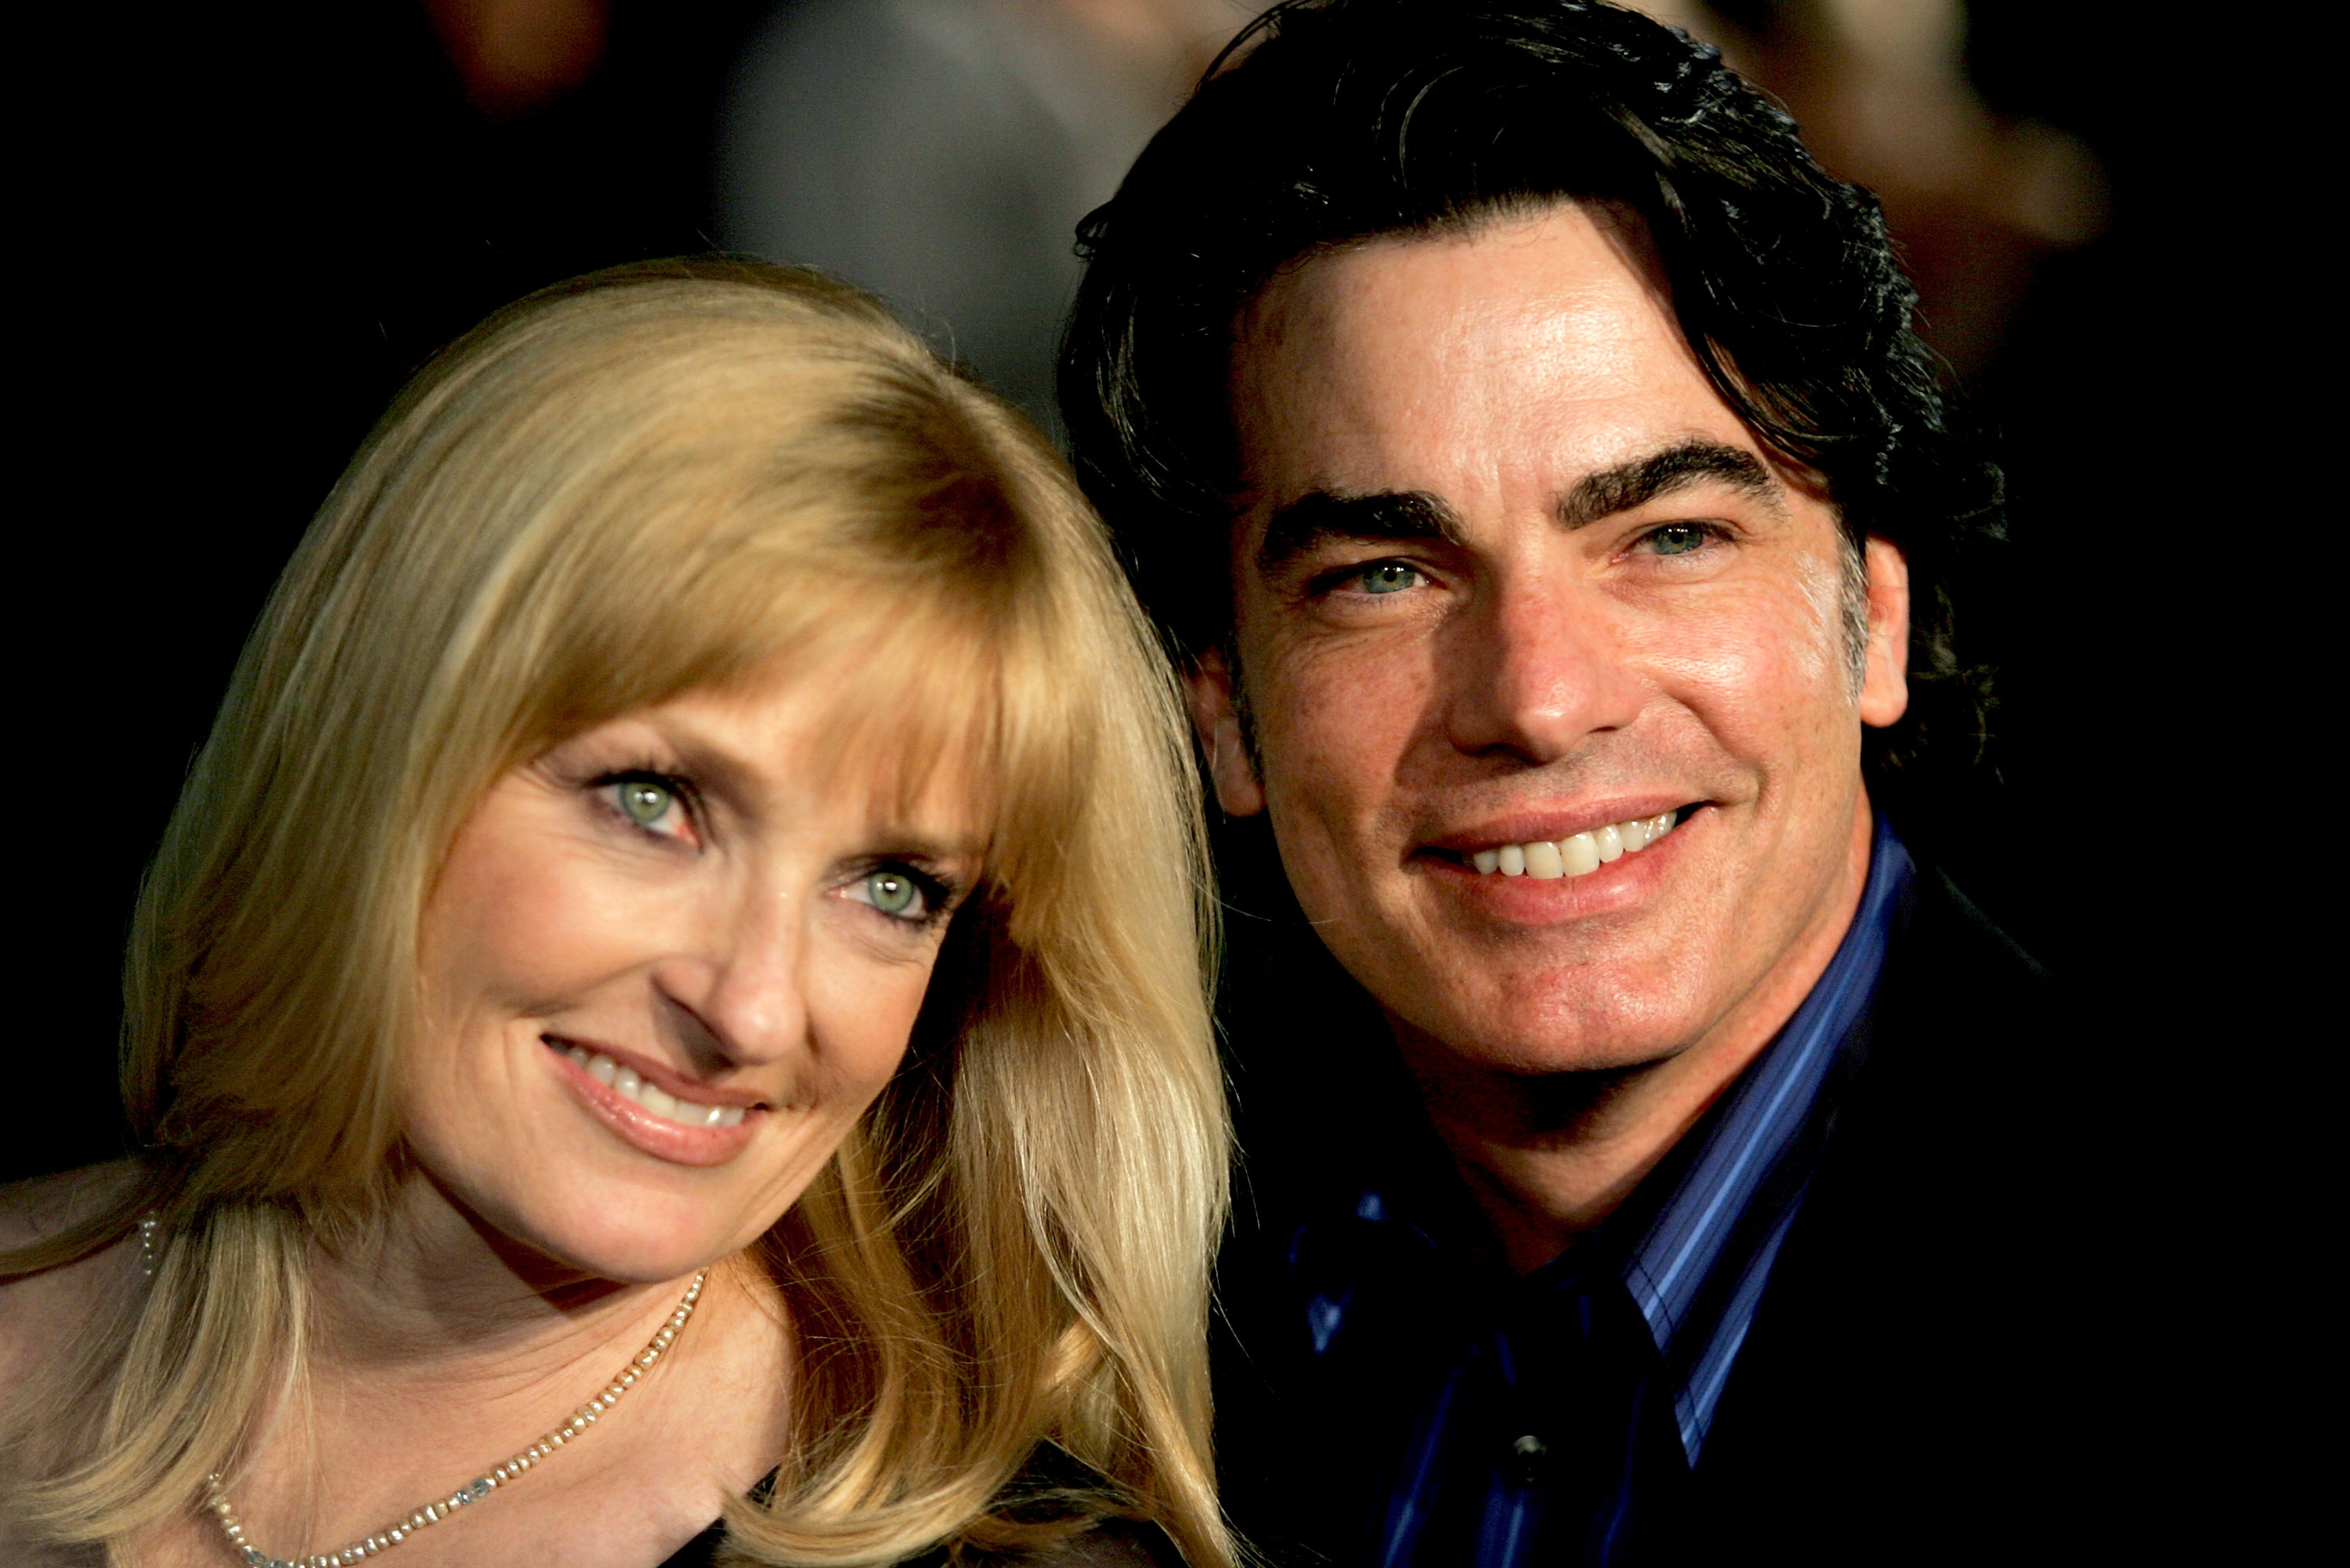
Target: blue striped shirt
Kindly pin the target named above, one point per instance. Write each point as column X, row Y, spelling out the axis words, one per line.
column 1687, row 1259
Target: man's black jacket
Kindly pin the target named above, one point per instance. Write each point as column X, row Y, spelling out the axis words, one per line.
column 1924, row 1380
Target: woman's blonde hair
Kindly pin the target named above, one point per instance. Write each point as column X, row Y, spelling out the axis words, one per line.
column 653, row 480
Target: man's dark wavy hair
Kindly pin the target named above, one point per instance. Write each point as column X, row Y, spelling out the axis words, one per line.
column 1345, row 120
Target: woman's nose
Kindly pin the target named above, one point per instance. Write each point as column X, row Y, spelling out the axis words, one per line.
column 743, row 988
column 1536, row 668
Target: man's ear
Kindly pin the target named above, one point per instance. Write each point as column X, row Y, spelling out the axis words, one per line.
column 1885, row 678
column 1216, row 720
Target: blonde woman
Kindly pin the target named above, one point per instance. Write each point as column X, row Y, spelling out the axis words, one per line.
column 670, row 1006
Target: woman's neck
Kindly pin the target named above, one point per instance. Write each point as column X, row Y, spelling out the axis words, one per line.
column 442, row 1333
column 437, row 1350
column 435, row 1296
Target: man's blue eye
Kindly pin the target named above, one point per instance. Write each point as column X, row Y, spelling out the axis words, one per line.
column 645, row 803
column 1677, row 539
column 1388, row 577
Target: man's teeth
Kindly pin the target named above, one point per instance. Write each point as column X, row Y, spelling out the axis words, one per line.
column 1574, row 856
column 662, row 1103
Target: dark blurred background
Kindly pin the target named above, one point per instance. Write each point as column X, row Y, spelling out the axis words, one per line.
column 242, row 228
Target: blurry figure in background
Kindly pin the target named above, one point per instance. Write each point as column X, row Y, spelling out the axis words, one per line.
column 1975, row 200
column 515, row 55
column 941, row 152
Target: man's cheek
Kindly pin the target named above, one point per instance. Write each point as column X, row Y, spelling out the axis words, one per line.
column 1759, row 684
column 1335, row 712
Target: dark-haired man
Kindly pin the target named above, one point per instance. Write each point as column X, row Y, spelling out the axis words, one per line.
column 1524, row 443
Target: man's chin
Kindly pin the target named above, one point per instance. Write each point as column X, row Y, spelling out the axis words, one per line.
column 1612, row 1035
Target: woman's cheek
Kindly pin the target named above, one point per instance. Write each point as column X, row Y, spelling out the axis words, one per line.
column 862, row 1011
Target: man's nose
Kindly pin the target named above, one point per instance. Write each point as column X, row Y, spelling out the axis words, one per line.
column 1536, row 668
column 743, row 988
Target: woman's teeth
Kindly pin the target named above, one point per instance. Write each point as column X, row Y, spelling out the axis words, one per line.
column 662, row 1103
column 1574, row 856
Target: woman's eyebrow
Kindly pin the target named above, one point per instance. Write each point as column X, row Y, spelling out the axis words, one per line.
column 1677, row 467
column 930, row 849
column 1322, row 517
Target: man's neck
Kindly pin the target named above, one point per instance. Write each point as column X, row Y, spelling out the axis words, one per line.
column 1549, row 1156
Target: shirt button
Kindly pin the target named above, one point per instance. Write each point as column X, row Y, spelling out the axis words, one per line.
column 1529, row 1460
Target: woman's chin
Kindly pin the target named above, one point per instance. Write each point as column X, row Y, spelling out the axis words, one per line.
column 646, row 1268
column 557, row 1212
column 624, row 1237
column 645, row 1243
column 625, row 1257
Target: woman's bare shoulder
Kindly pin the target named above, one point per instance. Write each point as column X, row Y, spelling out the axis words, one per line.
column 35, row 1210
column 1116, row 1546
column 40, row 1312
column 1114, row 1543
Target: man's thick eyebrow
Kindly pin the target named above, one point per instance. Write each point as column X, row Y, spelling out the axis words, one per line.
column 1322, row 515
column 1642, row 480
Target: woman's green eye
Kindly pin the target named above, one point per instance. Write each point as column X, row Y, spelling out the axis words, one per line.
column 1389, row 578
column 892, row 892
column 644, row 802
column 1676, row 538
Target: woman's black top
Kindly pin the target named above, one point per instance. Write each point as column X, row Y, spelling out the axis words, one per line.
column 1112, row 1543
column 702, row 1552
column 1116, row 1543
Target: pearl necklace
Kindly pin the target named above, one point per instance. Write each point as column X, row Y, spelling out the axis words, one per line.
column 433, row 1513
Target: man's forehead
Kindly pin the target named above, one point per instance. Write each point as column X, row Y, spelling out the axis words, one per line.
column 1542, row 246
column 1537, row 344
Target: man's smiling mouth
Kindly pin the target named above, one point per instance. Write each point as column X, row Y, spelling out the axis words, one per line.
column 1577, row 856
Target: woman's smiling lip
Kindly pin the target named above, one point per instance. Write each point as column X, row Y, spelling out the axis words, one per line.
column 660, row 1074
column 654, row 1135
